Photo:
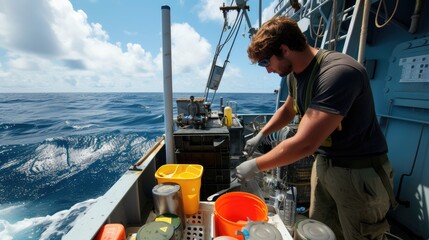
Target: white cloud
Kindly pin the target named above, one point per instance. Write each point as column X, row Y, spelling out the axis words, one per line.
column 268, row 12
column 191, row 58
column 61, row 51
column 33, row 16
column 51, row 47
column 189, row 49
column 208, row 10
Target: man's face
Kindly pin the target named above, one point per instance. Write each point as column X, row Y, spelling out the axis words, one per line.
column 280, row 65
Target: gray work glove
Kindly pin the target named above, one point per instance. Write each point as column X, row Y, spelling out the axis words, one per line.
column 253, row 143
column 247, row 170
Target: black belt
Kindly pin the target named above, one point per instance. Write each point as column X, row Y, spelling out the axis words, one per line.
column 358, row 163
column 375, row 162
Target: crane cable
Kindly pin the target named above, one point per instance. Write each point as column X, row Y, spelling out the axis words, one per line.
column 234, row 32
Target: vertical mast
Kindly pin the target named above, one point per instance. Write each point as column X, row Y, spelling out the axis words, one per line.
column 168, row 88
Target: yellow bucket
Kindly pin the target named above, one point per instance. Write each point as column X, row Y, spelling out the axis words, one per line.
column 188, row 176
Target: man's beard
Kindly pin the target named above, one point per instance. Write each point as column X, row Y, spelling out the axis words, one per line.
column 285, row 73
column 286, row 69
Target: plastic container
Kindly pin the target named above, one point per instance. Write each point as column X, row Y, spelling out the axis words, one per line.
column 261, row 231
column 167, row 199
column 156, row 230
column 112, row 231
column 175, row 221
column 312, row 229
column 227, row 112
column 188, row 176
column 233, row 210
column 288, row 213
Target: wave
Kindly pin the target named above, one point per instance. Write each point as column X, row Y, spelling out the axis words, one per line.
column 64, row 164
column 63, row 157
column 47, row 227
column 19, row 101
column 17, row 126
column 58, row 174
column 7, row 209
column 70, row 124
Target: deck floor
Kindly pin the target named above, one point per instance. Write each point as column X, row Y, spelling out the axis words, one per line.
column 398, row 231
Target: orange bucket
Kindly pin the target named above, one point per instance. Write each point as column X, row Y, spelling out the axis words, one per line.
column 233, row 210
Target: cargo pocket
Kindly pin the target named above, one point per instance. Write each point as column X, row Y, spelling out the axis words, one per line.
column 374, row 230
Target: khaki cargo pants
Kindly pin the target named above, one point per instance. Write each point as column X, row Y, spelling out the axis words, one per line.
column 352, row 202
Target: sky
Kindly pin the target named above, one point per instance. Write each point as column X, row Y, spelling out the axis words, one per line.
column 116, row 46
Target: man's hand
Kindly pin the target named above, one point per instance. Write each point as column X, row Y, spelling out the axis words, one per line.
column 253, row 143
column 247, row 170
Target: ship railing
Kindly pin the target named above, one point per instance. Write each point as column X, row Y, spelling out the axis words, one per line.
column 331, row 24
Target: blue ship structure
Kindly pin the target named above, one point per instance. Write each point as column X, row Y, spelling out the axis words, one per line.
column 395, row 52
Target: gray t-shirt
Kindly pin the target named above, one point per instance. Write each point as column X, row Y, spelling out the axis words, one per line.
column 341, row 86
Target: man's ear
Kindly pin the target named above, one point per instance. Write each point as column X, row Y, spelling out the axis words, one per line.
column 284, row 49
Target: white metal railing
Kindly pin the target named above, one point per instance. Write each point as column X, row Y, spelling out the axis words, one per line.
column 332, row 24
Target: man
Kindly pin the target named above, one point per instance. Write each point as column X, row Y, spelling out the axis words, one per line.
column 351, row 183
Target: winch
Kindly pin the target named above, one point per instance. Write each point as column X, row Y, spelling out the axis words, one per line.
column 195, row 114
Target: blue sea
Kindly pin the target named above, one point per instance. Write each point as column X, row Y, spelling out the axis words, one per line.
column 59, row 152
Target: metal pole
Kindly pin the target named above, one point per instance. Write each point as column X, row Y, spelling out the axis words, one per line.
column 260, row 13
column 364, row 31
column 168, row 86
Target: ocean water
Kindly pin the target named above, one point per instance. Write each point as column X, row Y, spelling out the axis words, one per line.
column 59, row 152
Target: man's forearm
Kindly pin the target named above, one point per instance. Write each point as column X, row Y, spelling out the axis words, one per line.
column 282, row 117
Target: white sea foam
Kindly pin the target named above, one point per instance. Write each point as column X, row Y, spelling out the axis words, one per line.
column 8, row 209
column 65, row 161
column 51, row 223
column 10, row 163
column 78, row 127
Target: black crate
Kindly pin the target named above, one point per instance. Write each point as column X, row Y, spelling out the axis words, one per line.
column 237, row 141
column 202, row 143
column 216, row 176
column 209, row 160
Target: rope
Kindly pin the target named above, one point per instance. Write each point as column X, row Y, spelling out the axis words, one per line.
column 378, row 12
column 315, row 35
column 333, row 26
column 338, row 24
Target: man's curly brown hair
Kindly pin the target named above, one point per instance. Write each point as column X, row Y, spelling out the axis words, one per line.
column 272, row 34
